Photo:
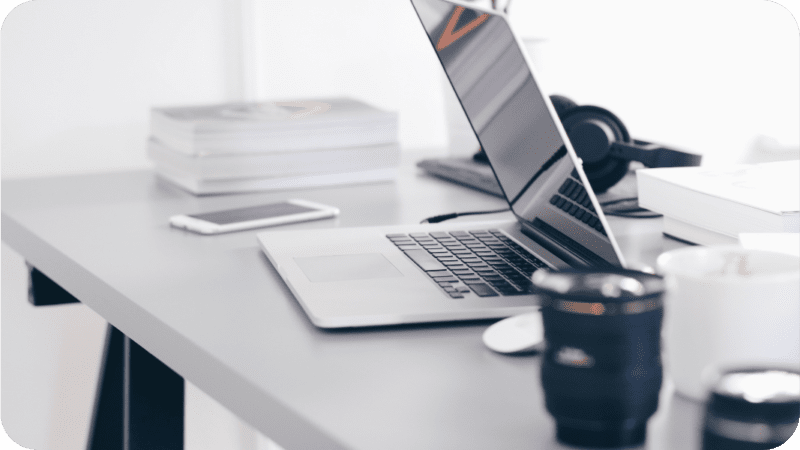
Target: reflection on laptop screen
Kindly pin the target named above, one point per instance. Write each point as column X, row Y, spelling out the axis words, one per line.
column 511, row 119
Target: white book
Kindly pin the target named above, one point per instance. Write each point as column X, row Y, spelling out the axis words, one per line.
column 694, row 234
column 726, row 200
column 205, row 187
column 272, row 126
column 276, row 164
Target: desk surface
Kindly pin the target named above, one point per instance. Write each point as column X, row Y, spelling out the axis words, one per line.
column 215, row 311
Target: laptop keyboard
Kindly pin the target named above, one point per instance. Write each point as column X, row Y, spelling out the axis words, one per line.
column 573, row 199
column 484, row 262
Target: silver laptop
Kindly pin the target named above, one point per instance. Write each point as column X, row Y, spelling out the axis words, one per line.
column 354, row 277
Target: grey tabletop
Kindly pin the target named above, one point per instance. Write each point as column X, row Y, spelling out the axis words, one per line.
column 215, row 310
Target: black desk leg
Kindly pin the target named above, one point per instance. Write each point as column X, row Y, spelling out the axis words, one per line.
column 140, row 401
column 153, row 414
column 106, row 427
column 42, row 291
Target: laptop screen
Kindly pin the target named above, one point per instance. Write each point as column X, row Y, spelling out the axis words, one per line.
column 516, row 127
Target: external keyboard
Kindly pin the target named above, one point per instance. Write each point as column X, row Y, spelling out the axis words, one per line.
column 486, row 262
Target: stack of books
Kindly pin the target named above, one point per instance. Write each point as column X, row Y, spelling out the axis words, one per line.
column 712, row 206
column 238, row 147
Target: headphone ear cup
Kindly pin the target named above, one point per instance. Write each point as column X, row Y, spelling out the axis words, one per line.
column 562, row 105
column 591, row 131
column 606, row 174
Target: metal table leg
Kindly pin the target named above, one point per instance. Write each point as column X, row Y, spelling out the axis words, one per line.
column 106, row 430
column 153, row 399
column 140, row 401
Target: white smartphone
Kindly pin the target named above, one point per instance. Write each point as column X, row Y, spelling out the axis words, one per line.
column 239, row 219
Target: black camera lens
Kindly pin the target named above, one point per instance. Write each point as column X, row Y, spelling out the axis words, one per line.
column 601, row 370
column 752, row 410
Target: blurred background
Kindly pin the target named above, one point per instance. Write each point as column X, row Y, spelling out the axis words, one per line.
column 720, row 78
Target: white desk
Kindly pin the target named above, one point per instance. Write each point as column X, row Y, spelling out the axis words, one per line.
column 214, row 310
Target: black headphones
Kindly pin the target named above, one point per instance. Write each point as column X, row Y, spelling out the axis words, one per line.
column 601, row 140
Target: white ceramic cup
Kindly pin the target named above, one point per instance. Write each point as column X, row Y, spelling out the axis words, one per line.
column 728, row 308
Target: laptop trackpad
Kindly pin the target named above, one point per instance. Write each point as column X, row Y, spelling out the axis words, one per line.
column 347, row 267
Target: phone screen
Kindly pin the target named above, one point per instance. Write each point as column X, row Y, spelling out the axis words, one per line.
column 252, row 213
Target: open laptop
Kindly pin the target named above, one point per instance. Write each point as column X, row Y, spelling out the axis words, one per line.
column 352, row 277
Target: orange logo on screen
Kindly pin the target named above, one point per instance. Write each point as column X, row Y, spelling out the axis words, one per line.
column 448, row 37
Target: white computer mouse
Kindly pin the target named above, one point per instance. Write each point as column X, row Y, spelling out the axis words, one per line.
column 518, row 334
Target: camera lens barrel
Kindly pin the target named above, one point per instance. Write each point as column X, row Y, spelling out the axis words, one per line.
column 752, row 410
column 601, row 369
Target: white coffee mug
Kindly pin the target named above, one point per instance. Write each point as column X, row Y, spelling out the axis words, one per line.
column 728, row 308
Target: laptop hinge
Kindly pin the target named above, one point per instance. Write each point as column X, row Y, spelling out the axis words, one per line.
column 562, row 245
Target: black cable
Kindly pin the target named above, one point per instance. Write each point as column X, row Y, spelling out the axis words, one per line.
column 443, row 217
column 631, row 213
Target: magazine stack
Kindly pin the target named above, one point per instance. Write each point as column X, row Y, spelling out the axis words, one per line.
column 239, row 147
